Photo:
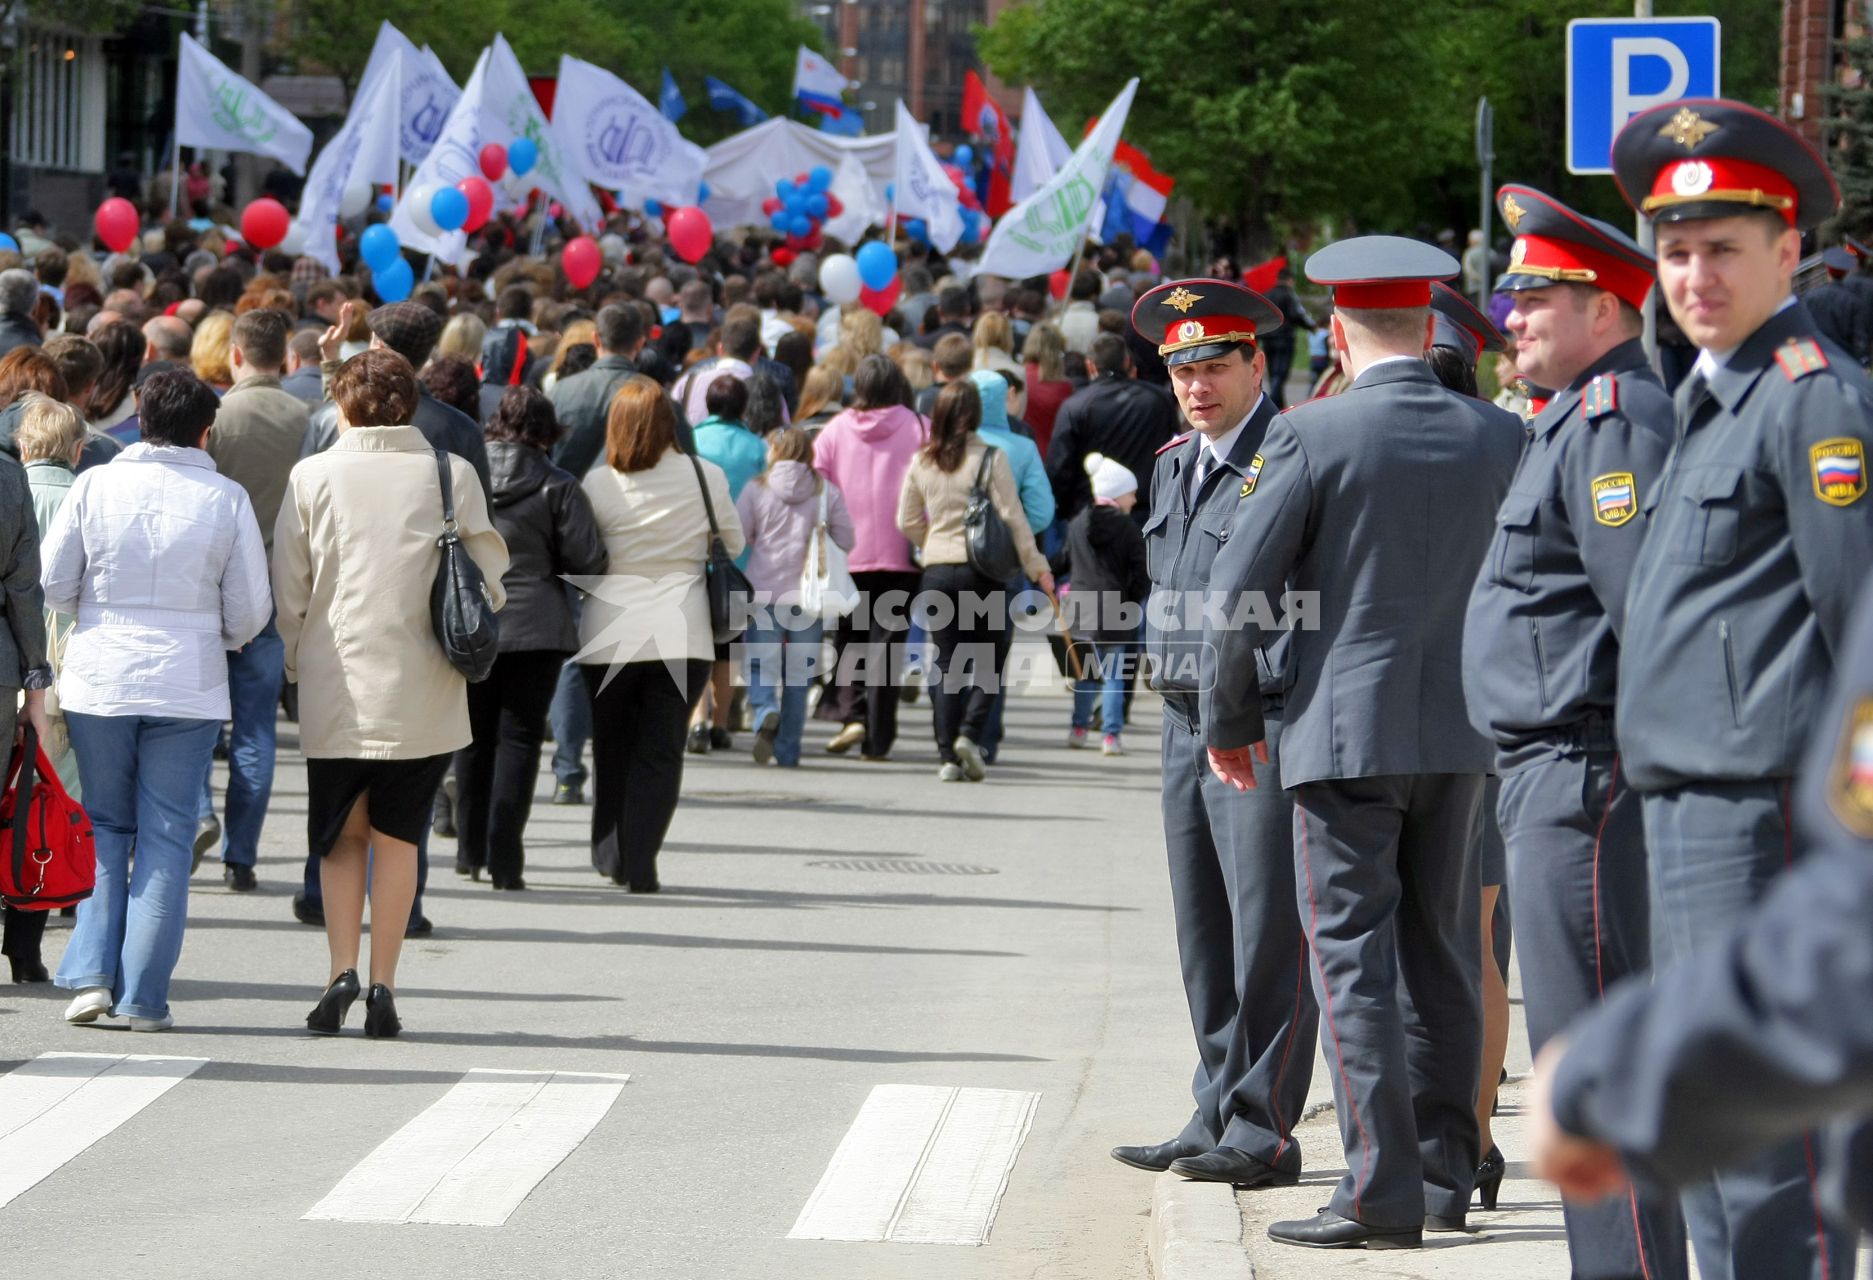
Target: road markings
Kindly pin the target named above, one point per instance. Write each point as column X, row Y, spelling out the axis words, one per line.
column 57, row 1105
column 473, row 1156
column 920, row 1165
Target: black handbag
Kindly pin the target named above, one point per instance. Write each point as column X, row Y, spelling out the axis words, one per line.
column 986, row 539
column 731, row 595
column 460, row 608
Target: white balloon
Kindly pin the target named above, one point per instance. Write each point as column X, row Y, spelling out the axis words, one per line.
column 359, row 196
column 839, row 278
column 612, row 246
column 295, row 242
column 419, row 200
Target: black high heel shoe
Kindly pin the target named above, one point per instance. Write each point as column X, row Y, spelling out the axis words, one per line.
column 329, row 1014
column 380, row 1013
column 28, row 969
column 1489, row 1177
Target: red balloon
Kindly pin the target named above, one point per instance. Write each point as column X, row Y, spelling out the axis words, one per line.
column 1057, row 283
column 264, row 223
column 117, row 224
column 882, row 300
column 690, row 232
column 493, row 161
column 771, row 205
column 834, row 205
column 814, row 241
column 480, row 201
column 783, row 257
column 802, row 179
column 580, row 260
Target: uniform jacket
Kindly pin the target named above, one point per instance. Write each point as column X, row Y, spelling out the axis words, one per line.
column 1123, row 418
column 354, row 556
column 1381, row 501
column 1540, row 642
column 546, row 521
column 1759, row 534
column 653, row 605
column 1182, row 537
column 1840, row 313
column 866, row 453
column 446, row 428
column 161, row 562
column 780, row 516
column 932, row 504
column 255, row 442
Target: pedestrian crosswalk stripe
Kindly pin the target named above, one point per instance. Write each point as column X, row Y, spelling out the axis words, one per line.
column 920, row 1165
column 477, row 1152
column 57, row 1105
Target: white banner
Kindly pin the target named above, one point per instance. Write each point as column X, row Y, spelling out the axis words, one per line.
column 622, row 140
column 1039, row 152
column 497, row 105
column 744, row 167
column 923, row 189
column 362, row 150
column 218, row 109
column 1040, row 234
column 425, row 94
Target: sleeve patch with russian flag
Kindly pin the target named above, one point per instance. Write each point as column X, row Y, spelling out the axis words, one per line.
column 1839, row 467
column 1615, row 498
column 1250, row 476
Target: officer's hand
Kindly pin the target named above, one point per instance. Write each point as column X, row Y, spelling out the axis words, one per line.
column 1582, row 1168
column 1236, row 766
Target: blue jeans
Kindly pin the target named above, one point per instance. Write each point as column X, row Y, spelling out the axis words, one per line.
column 571, row 717
column 781, row 665
column 1103, row 679
column 255, row 674
column 141, row 776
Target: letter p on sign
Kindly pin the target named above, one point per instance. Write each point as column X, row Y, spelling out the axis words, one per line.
column 1618, row 67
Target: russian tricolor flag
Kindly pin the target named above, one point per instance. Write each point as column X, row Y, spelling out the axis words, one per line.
column 1136, row 196
column 1838, row 470
column 818, row 85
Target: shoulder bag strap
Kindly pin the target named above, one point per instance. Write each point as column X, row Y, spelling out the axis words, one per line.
column 20, row 780
column 707, row 505
column 448, row 494
column 982, row 472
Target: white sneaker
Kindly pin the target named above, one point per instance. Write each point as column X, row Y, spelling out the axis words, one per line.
column 971, row 757
column 1112, row 746
column 950, row 773
column 88, row 1005
column 152, row 1024
column 1076, row 738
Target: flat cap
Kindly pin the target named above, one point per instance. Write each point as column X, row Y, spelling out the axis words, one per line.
column 1712, row 158
column 408, row 328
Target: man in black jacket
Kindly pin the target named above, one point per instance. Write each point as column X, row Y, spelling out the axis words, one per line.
column 1116, row 415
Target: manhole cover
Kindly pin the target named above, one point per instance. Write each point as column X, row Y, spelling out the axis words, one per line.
column 906, row 866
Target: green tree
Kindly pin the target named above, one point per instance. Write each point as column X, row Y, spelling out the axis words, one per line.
column 1850, row 131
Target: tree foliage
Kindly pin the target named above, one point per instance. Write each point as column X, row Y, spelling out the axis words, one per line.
column 1850, row 133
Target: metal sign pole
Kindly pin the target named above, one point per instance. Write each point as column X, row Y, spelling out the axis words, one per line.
column 1485, row 160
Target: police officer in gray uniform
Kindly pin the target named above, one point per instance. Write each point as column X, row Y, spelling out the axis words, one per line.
column 1759, row 534
column 1231, row 858
column 1377, row 504
column 1541, row 655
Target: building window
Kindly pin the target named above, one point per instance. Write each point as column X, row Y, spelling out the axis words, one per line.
column 58, row 116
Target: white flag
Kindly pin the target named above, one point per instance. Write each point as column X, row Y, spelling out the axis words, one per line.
column 621, row 140
column 818, row 84
column 1040, row 234
column 218, row 109
column 1039, row 152
column 425, row 94
column 361, row 150
column 923, row 190
column 862, row 205
column 497, row 105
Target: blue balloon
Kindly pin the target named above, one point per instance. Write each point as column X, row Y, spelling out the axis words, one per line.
column 795, row 203
column 818, row 178
column 965, row 157
column 522, row 154
column 890, row 191
column 877, row 264
column 800, row 225
column 379, row 247
column 393, row 283
column 653, row 209
column 702, row 193
column 783, row 188
column 8, row 243
column 917, row 230
column 449, row 208
column 779, row 219
column 385, row 204
column 816, row 205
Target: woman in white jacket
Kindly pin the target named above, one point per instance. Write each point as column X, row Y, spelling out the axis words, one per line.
column 159, row 557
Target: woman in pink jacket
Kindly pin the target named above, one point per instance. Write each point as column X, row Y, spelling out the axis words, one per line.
column 785, row 511
column 865, row 451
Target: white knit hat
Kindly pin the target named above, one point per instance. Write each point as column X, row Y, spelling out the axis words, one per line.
column 1111, row 480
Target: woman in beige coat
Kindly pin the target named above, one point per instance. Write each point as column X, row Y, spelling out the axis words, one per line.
column 964, row 632
column 644, row 637
column 380, row 709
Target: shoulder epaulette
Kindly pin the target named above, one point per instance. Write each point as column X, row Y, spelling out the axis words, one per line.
column 1800, row 357
column 1600, row 398
column 1175, row 441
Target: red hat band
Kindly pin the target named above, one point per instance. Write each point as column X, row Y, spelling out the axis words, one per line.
column 1382, row 295
column 1721, row 180
column 1566, row 262
column 1199, row 331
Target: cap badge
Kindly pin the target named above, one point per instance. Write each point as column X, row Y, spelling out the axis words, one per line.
column 1182, row 299
column 1190, row 331
column 1512, row 212
column 1692, row 178
column 1687, row 128
column 1517, row 253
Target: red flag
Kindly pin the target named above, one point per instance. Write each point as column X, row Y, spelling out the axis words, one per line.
column 1261, row 277
column 983, row 116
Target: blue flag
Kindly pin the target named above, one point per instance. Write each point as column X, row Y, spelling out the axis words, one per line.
column 848, row 124
column 724, row 98
column 670, row 101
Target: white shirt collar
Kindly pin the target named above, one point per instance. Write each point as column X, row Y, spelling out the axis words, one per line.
column 1221, row 446
column 1709, row 361
column 1386, row 360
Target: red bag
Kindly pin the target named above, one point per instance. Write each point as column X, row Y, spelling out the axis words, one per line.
column 50, row 859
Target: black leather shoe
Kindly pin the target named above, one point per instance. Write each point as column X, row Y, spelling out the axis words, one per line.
column 306, row 913
column 380, row 1013
column 509, row 882
column 643, row 886
column 1328, row 1230
column 1489, row 1177
column 569, row 793
column 329, row 1014
column 1238, row 1168
column 1446, row 1222
column 239, row 878
column 28, row 970
column 419, row 928
column 1156, row 1159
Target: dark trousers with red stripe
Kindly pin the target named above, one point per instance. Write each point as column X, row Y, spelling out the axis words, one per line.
column 1391, row 901
column 1577, row 878
column 1240, row 947
column 1714, row 848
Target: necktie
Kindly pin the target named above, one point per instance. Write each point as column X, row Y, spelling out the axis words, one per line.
column 1206, row 463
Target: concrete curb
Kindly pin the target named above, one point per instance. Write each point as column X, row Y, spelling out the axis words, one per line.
column 1196, row 1231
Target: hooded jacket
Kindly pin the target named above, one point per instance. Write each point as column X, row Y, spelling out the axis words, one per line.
column 779, row 513
column 866, row 453
column 547, row 522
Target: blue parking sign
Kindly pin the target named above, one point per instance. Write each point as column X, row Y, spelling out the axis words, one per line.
column 1618, row 67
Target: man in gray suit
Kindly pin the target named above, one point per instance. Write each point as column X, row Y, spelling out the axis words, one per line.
column 1378, row 505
